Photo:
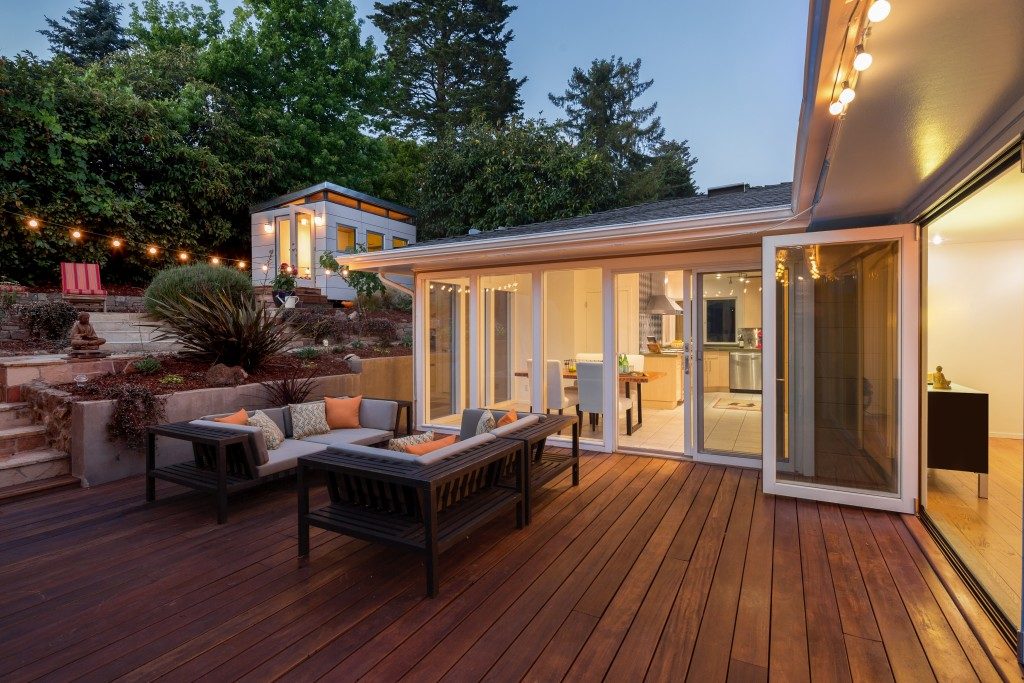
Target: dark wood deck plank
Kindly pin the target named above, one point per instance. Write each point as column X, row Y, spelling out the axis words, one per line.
column 649, row 569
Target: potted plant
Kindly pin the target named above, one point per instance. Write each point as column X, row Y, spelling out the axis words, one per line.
column 283, row 284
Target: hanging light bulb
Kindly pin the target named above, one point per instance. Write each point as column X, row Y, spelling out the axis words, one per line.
column 847, row 94
column 879, row 10
column 215, row 261
column 33, row 223
column 344, row 271
column 241, row 265
column 152, row 251
column 76, row 234
column 836, row 108
column 863, row 59
column 182, row 256
column 116, row 243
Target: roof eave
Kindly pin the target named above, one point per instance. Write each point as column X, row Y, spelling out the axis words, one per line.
column 331, row 187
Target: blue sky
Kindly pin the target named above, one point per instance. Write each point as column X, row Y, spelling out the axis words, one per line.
column 727, row 75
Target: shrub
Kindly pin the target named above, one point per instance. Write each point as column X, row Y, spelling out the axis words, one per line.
column 50, row 320
column 147, row 365
column 382, row 329
column 196, row 280
column 315, row 324
column 291, row 390
column 406, row 340
column 308, row 353
column 172, row 380
column 234, row 329
column 135, row 409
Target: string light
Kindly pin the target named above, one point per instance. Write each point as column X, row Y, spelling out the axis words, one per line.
column 115, row 243
column 76, row 234
column 879, row 10
column 33, row 223
column 241, row 265
column 215, row 261
column 836, row 108
column 182, row 256
column 152, row 251
column 847, row 94
column 863, row 59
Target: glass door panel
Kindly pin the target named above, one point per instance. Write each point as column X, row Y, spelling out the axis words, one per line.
column 304, row 240
column 284, row 242
column 841, row 356
column 448, row 350
column 507, row 341
column 729, row 339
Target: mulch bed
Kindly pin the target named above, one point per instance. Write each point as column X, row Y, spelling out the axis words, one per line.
column 20, row 347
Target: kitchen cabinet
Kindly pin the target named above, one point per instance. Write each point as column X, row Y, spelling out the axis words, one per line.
column 665, row 392
column 749, row 313
column 716, row 370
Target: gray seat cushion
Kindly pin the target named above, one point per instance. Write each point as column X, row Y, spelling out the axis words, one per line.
column 363, row 436
column 284, row 456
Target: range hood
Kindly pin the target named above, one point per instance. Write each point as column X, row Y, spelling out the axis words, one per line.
column 659, row 304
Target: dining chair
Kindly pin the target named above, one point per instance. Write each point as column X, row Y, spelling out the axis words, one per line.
column 559, row 396
column 590, row 377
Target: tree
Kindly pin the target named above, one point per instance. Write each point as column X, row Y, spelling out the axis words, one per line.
column 87, row 33
column 602, row 111
column 302, row 73
column 521, row 172
column 157, row 25
column 449, row 64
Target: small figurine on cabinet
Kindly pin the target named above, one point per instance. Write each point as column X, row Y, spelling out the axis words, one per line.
column 939, row 380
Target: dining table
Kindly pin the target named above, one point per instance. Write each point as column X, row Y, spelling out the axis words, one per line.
column 626, row 379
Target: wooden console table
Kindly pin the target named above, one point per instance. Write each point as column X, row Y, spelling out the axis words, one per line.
column 958, row 432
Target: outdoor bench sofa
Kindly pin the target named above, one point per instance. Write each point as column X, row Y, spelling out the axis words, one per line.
column 533, row 430
column 228, row 457
column 425, row 503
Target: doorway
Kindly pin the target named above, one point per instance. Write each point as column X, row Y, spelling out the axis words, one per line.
column 295, row 243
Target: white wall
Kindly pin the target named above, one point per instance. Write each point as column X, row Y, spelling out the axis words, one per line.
column 976, row 324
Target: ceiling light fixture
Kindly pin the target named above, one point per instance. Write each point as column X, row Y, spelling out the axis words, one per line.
column 937, row 240
column 879, row 10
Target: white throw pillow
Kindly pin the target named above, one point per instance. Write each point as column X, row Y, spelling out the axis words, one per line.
column 272, row 434
column 402, row 443
column 486, row 423
column 308, row 419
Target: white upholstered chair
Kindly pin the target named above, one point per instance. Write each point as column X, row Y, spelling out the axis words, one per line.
column 591, row 401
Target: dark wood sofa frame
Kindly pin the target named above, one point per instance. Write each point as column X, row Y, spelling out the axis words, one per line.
column 541, row 465
column 425, row 508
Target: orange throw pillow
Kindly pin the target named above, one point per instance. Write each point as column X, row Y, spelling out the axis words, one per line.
column 239, row 418
column 430, row 446
column 342, row 413
column 508, row 418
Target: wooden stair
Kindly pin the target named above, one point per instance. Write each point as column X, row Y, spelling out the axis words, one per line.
column 27, row 465
column 309, row 297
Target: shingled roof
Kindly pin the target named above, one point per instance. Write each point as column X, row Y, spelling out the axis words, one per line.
column 753, row 198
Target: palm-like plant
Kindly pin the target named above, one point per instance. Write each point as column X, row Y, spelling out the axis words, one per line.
column 232, row 327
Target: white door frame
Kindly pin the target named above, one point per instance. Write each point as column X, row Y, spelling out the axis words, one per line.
column 910, row 379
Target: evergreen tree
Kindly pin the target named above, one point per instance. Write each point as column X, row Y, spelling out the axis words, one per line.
column 602, row 112
column 449, row 63
column 87, row 33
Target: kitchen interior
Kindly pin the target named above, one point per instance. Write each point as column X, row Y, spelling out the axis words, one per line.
column 650, row 328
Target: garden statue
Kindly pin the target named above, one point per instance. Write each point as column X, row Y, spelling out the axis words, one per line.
column 84, row 342
column 939, row 380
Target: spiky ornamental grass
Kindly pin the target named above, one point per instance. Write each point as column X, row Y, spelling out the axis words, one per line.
column 233, row 328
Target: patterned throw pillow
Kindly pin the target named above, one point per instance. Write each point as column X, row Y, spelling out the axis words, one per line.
column 401, row 444
column 308, row 419
column 272, row 434
column 486, row 423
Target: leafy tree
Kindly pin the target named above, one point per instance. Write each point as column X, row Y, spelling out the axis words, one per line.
column 518, row 173
column 87, row 33
column 84, row 148
column 159, row 25
column 301, row 73
column 602, row 110
column 449, row 63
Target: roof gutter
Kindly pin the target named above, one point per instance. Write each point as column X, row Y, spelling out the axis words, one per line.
column 619, row 231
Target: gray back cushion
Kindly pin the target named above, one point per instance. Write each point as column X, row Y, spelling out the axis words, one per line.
column 282, row 417
column 471, row 418
column 377, row 414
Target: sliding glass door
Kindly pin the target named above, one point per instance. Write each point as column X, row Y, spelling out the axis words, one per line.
column 841, row 366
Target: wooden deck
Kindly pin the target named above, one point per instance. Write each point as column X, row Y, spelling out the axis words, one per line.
column 650, row 569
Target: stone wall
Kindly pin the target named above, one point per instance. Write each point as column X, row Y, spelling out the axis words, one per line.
column 52, row 409
column 115, row 303
column 96, row 460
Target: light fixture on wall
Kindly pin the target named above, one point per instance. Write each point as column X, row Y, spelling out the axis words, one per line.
column 268, row 227
column 318, row 220
column 879, row 10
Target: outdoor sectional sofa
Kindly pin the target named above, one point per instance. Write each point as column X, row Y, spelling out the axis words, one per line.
column 229, row 457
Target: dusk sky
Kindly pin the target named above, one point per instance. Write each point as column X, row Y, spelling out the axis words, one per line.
column 727, row 76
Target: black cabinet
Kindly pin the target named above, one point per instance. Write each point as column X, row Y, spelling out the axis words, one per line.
column 958, row 429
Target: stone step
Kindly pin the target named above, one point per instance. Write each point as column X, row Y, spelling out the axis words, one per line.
column 14, row 440
column 33, row 466
column 37, row 487
column 15, row 415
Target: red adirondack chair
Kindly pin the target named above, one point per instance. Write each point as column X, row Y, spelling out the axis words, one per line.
column 81, row 286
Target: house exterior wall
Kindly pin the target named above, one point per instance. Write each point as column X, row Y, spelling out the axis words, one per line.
column 264, row 244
